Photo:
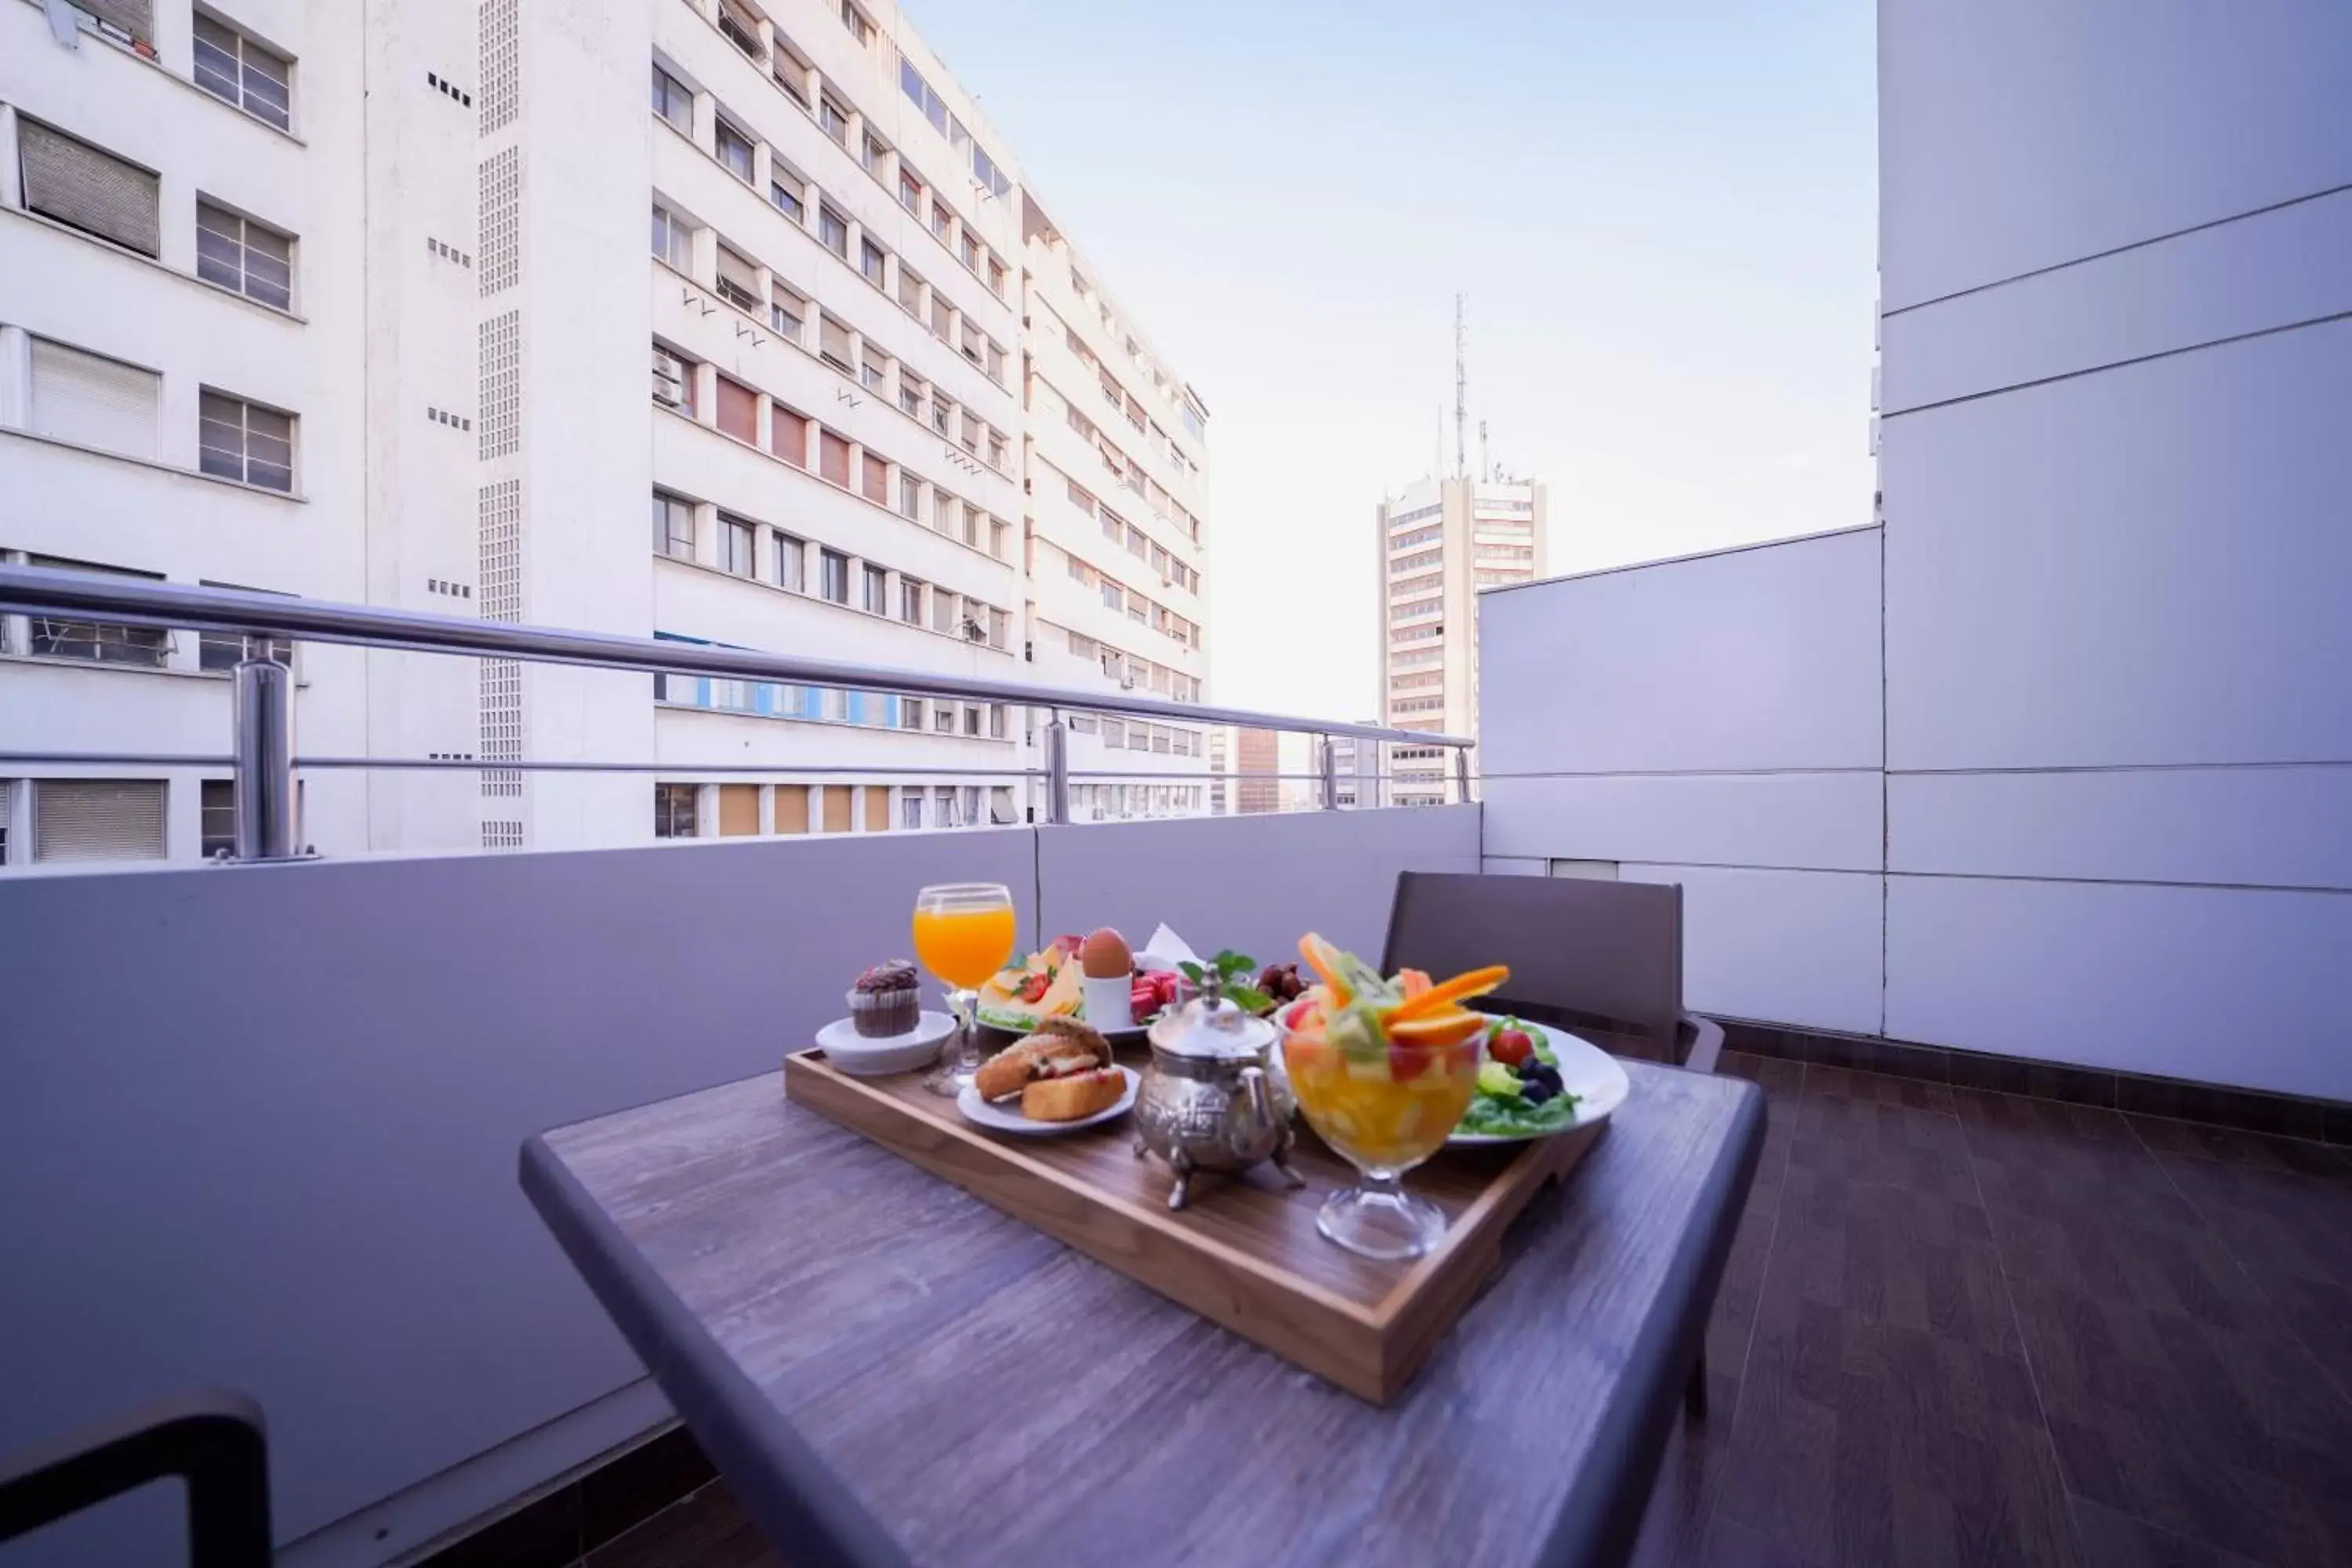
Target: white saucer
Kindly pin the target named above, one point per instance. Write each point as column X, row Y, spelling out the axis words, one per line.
column 861, row 1056
column 1007, row 1118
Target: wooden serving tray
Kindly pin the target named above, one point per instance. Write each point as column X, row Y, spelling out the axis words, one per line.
column 1246, row 1253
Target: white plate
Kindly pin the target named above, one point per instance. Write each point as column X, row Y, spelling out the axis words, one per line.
column 1586, row 1071
column 1007, row 1118
column 861, row 1056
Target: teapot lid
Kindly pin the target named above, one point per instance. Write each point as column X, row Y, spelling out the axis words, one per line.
column 1212, row 1027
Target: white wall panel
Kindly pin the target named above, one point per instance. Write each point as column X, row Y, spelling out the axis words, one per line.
column 2276, row 269
column 1795, row 947
column 2017, row 134
column 2223, row 985
column 2273, row 826
column 1807, row 821
column 1748, row 660
column 2143, row 565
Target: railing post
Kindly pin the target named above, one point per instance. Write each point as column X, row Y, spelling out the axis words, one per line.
column 1462, row 772
column 1057, row 770
column 1327, row 764
column 262, row 740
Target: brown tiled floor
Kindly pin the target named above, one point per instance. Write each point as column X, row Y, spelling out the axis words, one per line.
column 1959, row 1327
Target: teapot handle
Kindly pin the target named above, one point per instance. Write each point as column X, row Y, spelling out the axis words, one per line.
column 1261, row 1098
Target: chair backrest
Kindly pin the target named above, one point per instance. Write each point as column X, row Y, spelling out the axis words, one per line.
column 1608, row 955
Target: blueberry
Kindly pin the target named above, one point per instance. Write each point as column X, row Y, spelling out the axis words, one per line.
column 1534, row 1091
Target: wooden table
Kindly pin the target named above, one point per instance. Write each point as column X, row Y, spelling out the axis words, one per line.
column 889, row 1371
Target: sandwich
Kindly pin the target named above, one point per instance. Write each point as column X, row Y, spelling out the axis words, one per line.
column 1061, row 1048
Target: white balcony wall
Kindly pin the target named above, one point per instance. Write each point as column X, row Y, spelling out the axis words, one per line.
column 283, row 1161
column 1712, row 721
column 2115, row 730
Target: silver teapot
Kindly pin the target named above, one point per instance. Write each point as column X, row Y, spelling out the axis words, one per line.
column 1213, row 1097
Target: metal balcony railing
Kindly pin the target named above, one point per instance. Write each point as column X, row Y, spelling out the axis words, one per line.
column 262, row 751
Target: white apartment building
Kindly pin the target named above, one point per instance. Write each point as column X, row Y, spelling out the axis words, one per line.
column 1440, row 542
column 365, row 312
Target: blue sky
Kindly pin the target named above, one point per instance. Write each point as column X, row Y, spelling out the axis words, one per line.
column 1663, row 212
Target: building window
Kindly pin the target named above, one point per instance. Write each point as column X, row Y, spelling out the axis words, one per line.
column 673, row 239
column 217, row 816
column 996, row 277
column 873, row 371
column 236, row 69
column 740, row 28
column 737, row 537
column 788, row 435
column 942, row 414
column 786, row 312
column 833, row 459
column 996, row 451
column 911, row 803
column 241, row 255
column 734, row 150
column 53, row 637
column 999, row 629
column 997, row 717
column 788, row 193
column 874, row 156
column 833, row 229
column 786, row 560
column 871, row 262
column 971, row 526
column 1113, row 597
column 943, row 614
column 791, row 73
column 739, row 411
column 875, row 486
column 910, row 601
column 833, row 343
column 910, row 496
column 98, row 819
column 968, row 252
column 834, row 583
column 942, row 220
column 910, row 191
column 92, row 401
column 854, row 20
column 674, row 810
column 972, row 724
column 672, row 101
column 673, row 526
column 95, row 192
column 995, row 363
column 875, row 598
column 244, row 441
column 943, row 512
column 834, row 119
column 739, row 280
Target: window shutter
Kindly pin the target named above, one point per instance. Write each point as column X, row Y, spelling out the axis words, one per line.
column 98, row 819
column 877, row 479
column 93, row 401
column 833, row 339
column 136, row 17
column 788, row 435
column 75, row 183
column 733, row 268
column 739, row 411
column 833, row 459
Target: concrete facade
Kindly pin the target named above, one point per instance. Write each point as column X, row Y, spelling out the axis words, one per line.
column 846, row 307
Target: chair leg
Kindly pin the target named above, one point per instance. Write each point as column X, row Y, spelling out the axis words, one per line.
column 1695, row 1391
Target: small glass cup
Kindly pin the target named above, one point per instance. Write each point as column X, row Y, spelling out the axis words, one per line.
column 1383, row 1116
column 963, row 932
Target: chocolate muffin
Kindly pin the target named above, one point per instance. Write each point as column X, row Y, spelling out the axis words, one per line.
column 884, row 1001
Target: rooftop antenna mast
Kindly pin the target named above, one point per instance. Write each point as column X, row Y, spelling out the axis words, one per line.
column 1485, row 470
column 1461, row 398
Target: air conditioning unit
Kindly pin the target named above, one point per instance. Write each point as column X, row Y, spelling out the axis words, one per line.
column 669, row 381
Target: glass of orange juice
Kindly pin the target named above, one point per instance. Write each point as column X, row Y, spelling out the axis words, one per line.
column 1385, row 1108
column 963, row 933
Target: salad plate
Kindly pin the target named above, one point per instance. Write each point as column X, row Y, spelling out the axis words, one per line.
column 1515, row 1099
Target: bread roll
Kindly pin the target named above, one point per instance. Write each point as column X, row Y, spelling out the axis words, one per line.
column 1070, row 1099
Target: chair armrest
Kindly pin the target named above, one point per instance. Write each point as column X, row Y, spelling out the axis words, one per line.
column 212, row 1440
